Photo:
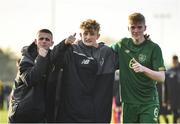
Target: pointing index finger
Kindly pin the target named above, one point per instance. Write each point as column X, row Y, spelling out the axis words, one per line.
column 74, row 34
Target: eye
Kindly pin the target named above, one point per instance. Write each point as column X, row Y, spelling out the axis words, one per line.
column 139, row 27
column 47, row 39
column 41, row 38
column 85, row 33
column 92, row 33
column 132, row 27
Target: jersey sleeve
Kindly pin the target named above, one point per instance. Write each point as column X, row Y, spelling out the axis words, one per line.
column 157, row 59
column 116, row 46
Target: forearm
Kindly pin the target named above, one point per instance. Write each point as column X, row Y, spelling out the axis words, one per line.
column 58, row 52
column 32, row 74
column 155, row 75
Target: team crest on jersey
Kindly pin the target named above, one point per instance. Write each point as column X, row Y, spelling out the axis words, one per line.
column 142, row 58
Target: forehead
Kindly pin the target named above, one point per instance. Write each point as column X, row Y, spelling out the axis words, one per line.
column 137, row 24
column 43, row 34
column 89, row 31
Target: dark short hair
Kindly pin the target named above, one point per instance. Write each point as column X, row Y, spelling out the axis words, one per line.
column 135, row 18
column 175, row 57
column 45, row 31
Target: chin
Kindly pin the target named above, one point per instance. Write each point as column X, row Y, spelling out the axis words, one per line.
column 88, row 44
column 136, row 38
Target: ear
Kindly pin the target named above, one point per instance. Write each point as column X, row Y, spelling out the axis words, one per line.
column 98, row 36
column 35, row 41
column 145, row 28
column 128, row 28
column 52, row 42
column 80, row 34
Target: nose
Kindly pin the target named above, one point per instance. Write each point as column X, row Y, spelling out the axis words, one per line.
column 135, row 29
column 44, row 41
column 88, row 36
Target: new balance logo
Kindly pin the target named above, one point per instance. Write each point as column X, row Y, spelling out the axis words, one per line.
column 85, row 61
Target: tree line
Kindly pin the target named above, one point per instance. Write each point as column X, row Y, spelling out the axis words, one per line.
column 8, row 68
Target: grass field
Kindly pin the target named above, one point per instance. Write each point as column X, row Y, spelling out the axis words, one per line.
column 3, row 116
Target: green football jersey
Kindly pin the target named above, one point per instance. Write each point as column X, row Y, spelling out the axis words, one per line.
column 137, row 88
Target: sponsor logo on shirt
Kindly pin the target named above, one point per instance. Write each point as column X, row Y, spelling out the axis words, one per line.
column 85, row 61
column 127, row 51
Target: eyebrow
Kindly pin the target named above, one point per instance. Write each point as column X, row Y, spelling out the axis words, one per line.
column 42, row 38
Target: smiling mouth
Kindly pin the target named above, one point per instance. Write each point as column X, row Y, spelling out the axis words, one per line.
column 88, row 41
column 135, row 34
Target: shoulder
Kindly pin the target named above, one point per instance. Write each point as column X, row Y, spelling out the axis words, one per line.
column 27, row 54
column 121, row 42
column 104, row 47
column 26, row 59
column 125, row 39
column 152, row 44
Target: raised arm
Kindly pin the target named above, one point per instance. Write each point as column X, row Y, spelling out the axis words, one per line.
column 31, row 72
column 58, row 52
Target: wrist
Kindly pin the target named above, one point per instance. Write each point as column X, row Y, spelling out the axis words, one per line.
column 144, row 69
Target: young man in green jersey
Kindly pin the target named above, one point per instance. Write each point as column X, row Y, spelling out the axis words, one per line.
column 141, row 66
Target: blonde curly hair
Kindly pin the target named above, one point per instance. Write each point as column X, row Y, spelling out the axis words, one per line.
column 90, row 25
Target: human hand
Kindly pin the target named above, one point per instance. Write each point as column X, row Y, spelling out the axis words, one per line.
column 169, row 107
column 71, row 39
column 118, row 109
column 137, row 67
column 42, row 52
column 76, row 41
column 164, row 104
column 147, row 37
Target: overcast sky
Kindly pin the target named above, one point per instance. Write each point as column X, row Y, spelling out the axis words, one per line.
column 21, row 19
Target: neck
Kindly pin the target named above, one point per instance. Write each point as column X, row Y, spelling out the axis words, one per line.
column 138, row 41
column 96, row 45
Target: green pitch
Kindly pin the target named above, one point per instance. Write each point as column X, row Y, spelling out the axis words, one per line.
column 3, row 116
